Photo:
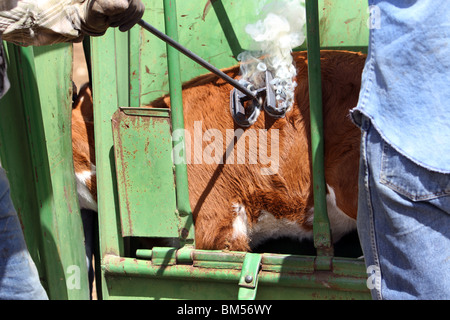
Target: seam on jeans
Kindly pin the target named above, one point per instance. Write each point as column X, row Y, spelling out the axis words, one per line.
column 413, row 197
column 364, row 98
column 403, row 191
column 369, row 81
column 373, row 242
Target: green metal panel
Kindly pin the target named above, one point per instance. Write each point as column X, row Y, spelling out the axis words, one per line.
column 215, row 30
column 141, row 279
column 41, row 77
column 130, row 70
column 143, row 147
column 343, row 24
column 16, row 159
column 108, row 94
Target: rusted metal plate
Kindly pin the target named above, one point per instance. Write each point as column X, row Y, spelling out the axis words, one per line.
column 144, row 169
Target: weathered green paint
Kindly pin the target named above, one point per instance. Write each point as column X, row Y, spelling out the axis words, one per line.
column 143, row 149
column 164, row 256
column 16, row 159
column 130, row 70
column 183, row 206
column 248, row 281
column 133, row 278
column 215, row 30
column 322, row 234
column 41, row 77
column 107, row 98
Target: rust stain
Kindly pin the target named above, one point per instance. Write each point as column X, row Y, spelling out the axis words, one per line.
column 349, row 20
column 206, row 9
column 66, row 195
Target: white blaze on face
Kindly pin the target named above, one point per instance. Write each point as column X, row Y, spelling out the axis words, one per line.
column 279, row 31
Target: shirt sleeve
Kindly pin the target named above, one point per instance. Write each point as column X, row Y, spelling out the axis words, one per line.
column 41, row 22
column 4, row 83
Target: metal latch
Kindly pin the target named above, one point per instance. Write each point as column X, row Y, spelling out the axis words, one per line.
column 248, row 281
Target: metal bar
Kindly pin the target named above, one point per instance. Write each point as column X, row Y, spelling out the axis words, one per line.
column 169, row 40
column 176, row 103
column 114, row 266
column 270, row 262
column 16, row 158
column 227, row 28
column 106, row 102
column 248, row 281
column 47, row 109
column 322, row 235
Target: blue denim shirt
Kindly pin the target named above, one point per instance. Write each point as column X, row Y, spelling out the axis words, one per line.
column 406, row 80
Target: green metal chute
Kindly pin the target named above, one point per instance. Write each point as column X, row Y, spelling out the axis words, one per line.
column 36, row 150
column 130, row 70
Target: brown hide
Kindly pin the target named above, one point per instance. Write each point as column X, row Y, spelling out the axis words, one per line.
column 287, row 194
column 214, row 188
column 83, row 143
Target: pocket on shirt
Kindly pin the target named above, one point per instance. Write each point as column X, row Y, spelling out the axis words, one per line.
column 410, row 179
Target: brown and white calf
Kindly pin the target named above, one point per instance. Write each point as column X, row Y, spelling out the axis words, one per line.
column 83, row 145
column 236, row 206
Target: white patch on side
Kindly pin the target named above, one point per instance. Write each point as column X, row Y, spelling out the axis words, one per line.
column 240, row 222
column 340, row 223
column 84, row 195
column 268, row 227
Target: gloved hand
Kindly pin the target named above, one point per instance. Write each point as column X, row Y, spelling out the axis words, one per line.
column 99, row 15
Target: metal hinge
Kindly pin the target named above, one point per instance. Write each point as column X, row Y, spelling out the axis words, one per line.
column 248, row 281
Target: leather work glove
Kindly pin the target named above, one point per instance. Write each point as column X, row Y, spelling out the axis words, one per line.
column 99, row 15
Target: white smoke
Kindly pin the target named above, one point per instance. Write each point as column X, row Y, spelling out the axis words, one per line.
column 279, row 31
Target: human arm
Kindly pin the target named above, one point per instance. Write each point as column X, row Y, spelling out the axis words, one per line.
column 42, row 22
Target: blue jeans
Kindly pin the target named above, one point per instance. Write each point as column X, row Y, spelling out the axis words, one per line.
column 403, row 223
column 19, row 279
column 89, row 218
